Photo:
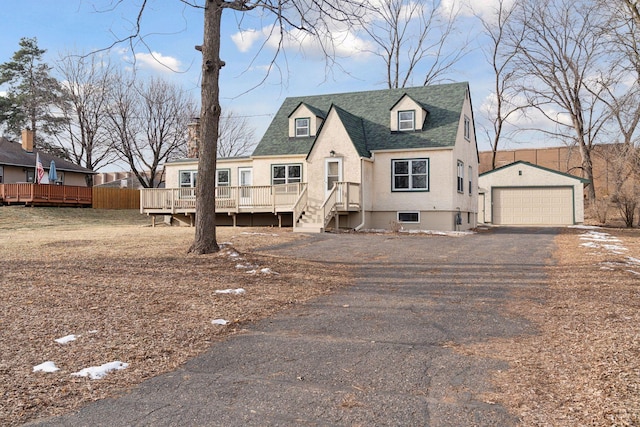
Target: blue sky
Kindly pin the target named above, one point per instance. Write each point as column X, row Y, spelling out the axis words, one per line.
column 171, row 30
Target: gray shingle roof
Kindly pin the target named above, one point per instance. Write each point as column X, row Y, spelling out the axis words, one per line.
column 12, row 154
column 366, row 118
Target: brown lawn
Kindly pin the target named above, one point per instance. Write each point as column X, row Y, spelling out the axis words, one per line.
column 131, row 293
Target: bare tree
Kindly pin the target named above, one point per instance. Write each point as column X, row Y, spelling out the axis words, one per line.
column 558, row 55
column 236, row 138
column 314, row 19
column 634, row 9
column 409, row 33
column 87, row 85
column 500, row 53
column 149, row 121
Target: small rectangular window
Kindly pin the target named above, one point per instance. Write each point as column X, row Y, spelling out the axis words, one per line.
column 460, row 177
column 410, row 217
column 302, row 127
column 467, row 128
column 406, row 120
column 470, row 181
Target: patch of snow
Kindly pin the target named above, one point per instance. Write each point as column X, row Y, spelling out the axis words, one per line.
column 99, row 372
column 66, row 339
column 633, row 261
column 221, row 322
column 267, row 270
column 48, row 366
column 231, row 291
column 584, row 227
column 590, row 245
column 259, row 234
column 634, row 272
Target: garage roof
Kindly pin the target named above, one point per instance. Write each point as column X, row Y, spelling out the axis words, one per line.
column 522, row 162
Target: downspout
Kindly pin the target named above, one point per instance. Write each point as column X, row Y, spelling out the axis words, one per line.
column 358, row 227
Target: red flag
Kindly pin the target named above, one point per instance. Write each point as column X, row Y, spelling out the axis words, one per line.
column 39, row 169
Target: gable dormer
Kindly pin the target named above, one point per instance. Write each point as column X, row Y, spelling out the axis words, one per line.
column 407, row 115
column 304, row 121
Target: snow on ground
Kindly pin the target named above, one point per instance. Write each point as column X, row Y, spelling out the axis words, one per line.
column 600, row 241
column 220, row 322
column 93, row 372
column 48, row 366
column 231, row 291
column 99, row 372
column 66, row 339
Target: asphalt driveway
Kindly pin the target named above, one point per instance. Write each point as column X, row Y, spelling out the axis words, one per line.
column 375, row 353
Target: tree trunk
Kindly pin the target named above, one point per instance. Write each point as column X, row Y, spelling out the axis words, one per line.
column 205, row 221
column 587, row 167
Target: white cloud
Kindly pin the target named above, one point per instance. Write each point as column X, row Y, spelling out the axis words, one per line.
column 244, row 40
column 345, row 42
column 486, row 8
column 157, row 61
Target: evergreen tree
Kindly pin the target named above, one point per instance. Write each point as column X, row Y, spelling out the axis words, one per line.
column 31, row 94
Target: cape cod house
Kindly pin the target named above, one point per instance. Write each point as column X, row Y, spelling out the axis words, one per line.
column 386, row 159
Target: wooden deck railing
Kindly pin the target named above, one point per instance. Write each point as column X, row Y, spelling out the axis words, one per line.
column 45, row 194
column 257, row 198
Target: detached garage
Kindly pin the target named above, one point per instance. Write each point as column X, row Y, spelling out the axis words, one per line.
column 525, row 194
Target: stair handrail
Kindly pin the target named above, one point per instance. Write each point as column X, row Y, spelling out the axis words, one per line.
column 300, row 205
column 330, row 202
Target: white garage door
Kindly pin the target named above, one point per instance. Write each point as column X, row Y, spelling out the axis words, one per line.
column 533, row 206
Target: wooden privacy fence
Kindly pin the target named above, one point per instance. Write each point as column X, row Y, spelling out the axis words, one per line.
column 115, row 198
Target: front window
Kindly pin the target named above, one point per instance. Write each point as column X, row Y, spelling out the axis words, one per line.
column 188, row 178
column 410, row 175
column 470, row 180
column 31, row 175
column 302, row 127
column 406, row 120
column 223, row 177
column 286, row 174
column 460, row 177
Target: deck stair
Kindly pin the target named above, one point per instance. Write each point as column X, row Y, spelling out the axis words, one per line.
column 310, row 221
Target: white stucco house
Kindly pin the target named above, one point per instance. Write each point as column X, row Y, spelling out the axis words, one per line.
column 522, row 193
column 385, row 159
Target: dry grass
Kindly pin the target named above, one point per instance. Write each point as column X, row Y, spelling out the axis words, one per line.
column 130, row 293
column 583, row 365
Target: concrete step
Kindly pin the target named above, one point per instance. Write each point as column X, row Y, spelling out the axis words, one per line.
column 308, row 228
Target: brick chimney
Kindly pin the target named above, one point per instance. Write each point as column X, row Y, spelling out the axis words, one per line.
column 27, row 140
column 193, row 138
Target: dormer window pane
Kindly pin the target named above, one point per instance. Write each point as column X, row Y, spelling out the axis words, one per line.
column 302, row 127
column 406, row 120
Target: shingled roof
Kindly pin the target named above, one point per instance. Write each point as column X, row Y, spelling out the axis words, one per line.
column 12, row 154
column 366, row 118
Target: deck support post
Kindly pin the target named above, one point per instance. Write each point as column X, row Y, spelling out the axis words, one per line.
column 192, row 220
column 153, row 221
column 234, row 220
column 279, row 220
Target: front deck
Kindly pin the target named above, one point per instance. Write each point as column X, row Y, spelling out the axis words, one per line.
column 274, row 199
column 45, row 195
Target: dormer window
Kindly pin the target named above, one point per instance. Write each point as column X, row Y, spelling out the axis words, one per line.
column 302, row 127
column 406, row 120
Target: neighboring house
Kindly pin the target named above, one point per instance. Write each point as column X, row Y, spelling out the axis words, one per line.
column 521, row 193
column 386, row 159
column 18, row 164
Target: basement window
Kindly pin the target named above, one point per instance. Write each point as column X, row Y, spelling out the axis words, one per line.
column 409, row 217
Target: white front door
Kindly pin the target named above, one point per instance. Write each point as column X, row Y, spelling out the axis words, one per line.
column 332, row 174
column 245, row 180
